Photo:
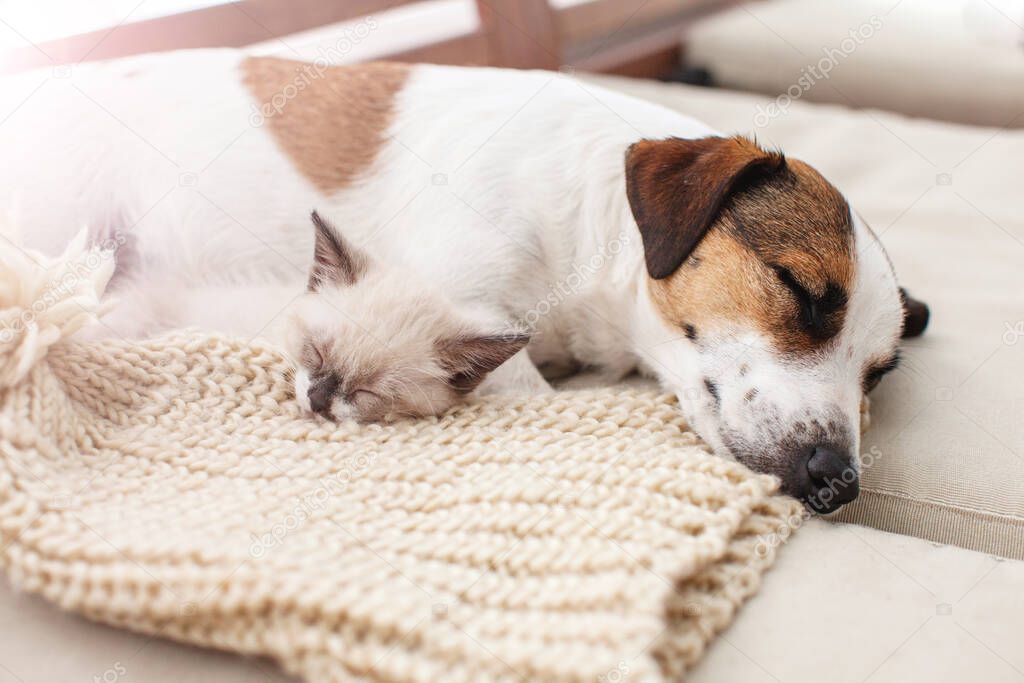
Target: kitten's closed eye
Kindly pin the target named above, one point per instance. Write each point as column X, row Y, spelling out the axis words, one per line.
column 312, row 358
column 362, row 395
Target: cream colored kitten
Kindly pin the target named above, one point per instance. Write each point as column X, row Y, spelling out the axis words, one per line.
column 375, row 341
column 369, row 340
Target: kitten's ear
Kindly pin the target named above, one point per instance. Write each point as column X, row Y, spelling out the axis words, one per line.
column 468, row 359
column 335, row 261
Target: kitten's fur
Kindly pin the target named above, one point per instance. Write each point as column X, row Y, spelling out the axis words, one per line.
column 369, row 340
column 375, row 342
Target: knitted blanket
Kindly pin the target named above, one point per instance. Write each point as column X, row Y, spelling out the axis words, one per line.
column 173, row 487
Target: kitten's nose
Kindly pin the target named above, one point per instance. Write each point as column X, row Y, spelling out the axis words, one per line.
column 321, row 395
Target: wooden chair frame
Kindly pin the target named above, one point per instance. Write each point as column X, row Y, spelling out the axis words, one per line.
column 637, row 38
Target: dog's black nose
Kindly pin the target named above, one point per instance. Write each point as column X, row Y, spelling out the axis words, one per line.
column 320, row 398
column 832, row 480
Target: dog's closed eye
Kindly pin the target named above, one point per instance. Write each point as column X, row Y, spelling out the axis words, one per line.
column 816, row 312
column 874, row 374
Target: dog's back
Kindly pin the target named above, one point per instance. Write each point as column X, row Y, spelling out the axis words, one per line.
column 158, row 151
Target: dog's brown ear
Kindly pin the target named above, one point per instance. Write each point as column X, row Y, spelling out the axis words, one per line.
column 335, row 261
column 676, row 189
column 915, row 315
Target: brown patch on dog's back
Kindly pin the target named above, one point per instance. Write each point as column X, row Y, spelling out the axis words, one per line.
column 330, row 121
column 784, row 233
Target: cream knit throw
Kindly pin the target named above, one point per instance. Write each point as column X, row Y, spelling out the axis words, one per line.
column 172, row 487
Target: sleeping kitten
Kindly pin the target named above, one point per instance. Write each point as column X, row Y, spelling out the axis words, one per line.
column 374, row 341
column 369, row 340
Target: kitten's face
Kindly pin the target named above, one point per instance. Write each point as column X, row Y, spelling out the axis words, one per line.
column 373, row 342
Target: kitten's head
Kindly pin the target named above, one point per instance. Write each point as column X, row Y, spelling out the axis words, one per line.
column 374, row 342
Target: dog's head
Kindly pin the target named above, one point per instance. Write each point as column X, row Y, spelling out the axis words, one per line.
column 773, row 307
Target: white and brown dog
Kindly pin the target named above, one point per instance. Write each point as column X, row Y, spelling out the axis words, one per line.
column 625, row 235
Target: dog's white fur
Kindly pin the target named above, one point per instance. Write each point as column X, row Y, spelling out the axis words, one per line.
column 495, row 185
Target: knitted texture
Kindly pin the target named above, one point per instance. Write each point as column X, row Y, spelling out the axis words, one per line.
column 173, row 487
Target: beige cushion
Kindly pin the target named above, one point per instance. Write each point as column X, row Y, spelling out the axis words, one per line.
column 957, row 61
column 946, row 437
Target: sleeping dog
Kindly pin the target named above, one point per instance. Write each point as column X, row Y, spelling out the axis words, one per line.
column 621, row 234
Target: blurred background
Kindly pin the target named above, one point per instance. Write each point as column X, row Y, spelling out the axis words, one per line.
column 956, row 60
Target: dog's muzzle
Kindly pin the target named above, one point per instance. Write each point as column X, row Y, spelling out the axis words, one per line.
column 823, row 478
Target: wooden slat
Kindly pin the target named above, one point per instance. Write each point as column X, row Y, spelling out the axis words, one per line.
column 593, row 19
column 654, row 64
column 232, row 24
column 520, row 34
column 638, row 47
column 470, row 49
column 632, row 38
